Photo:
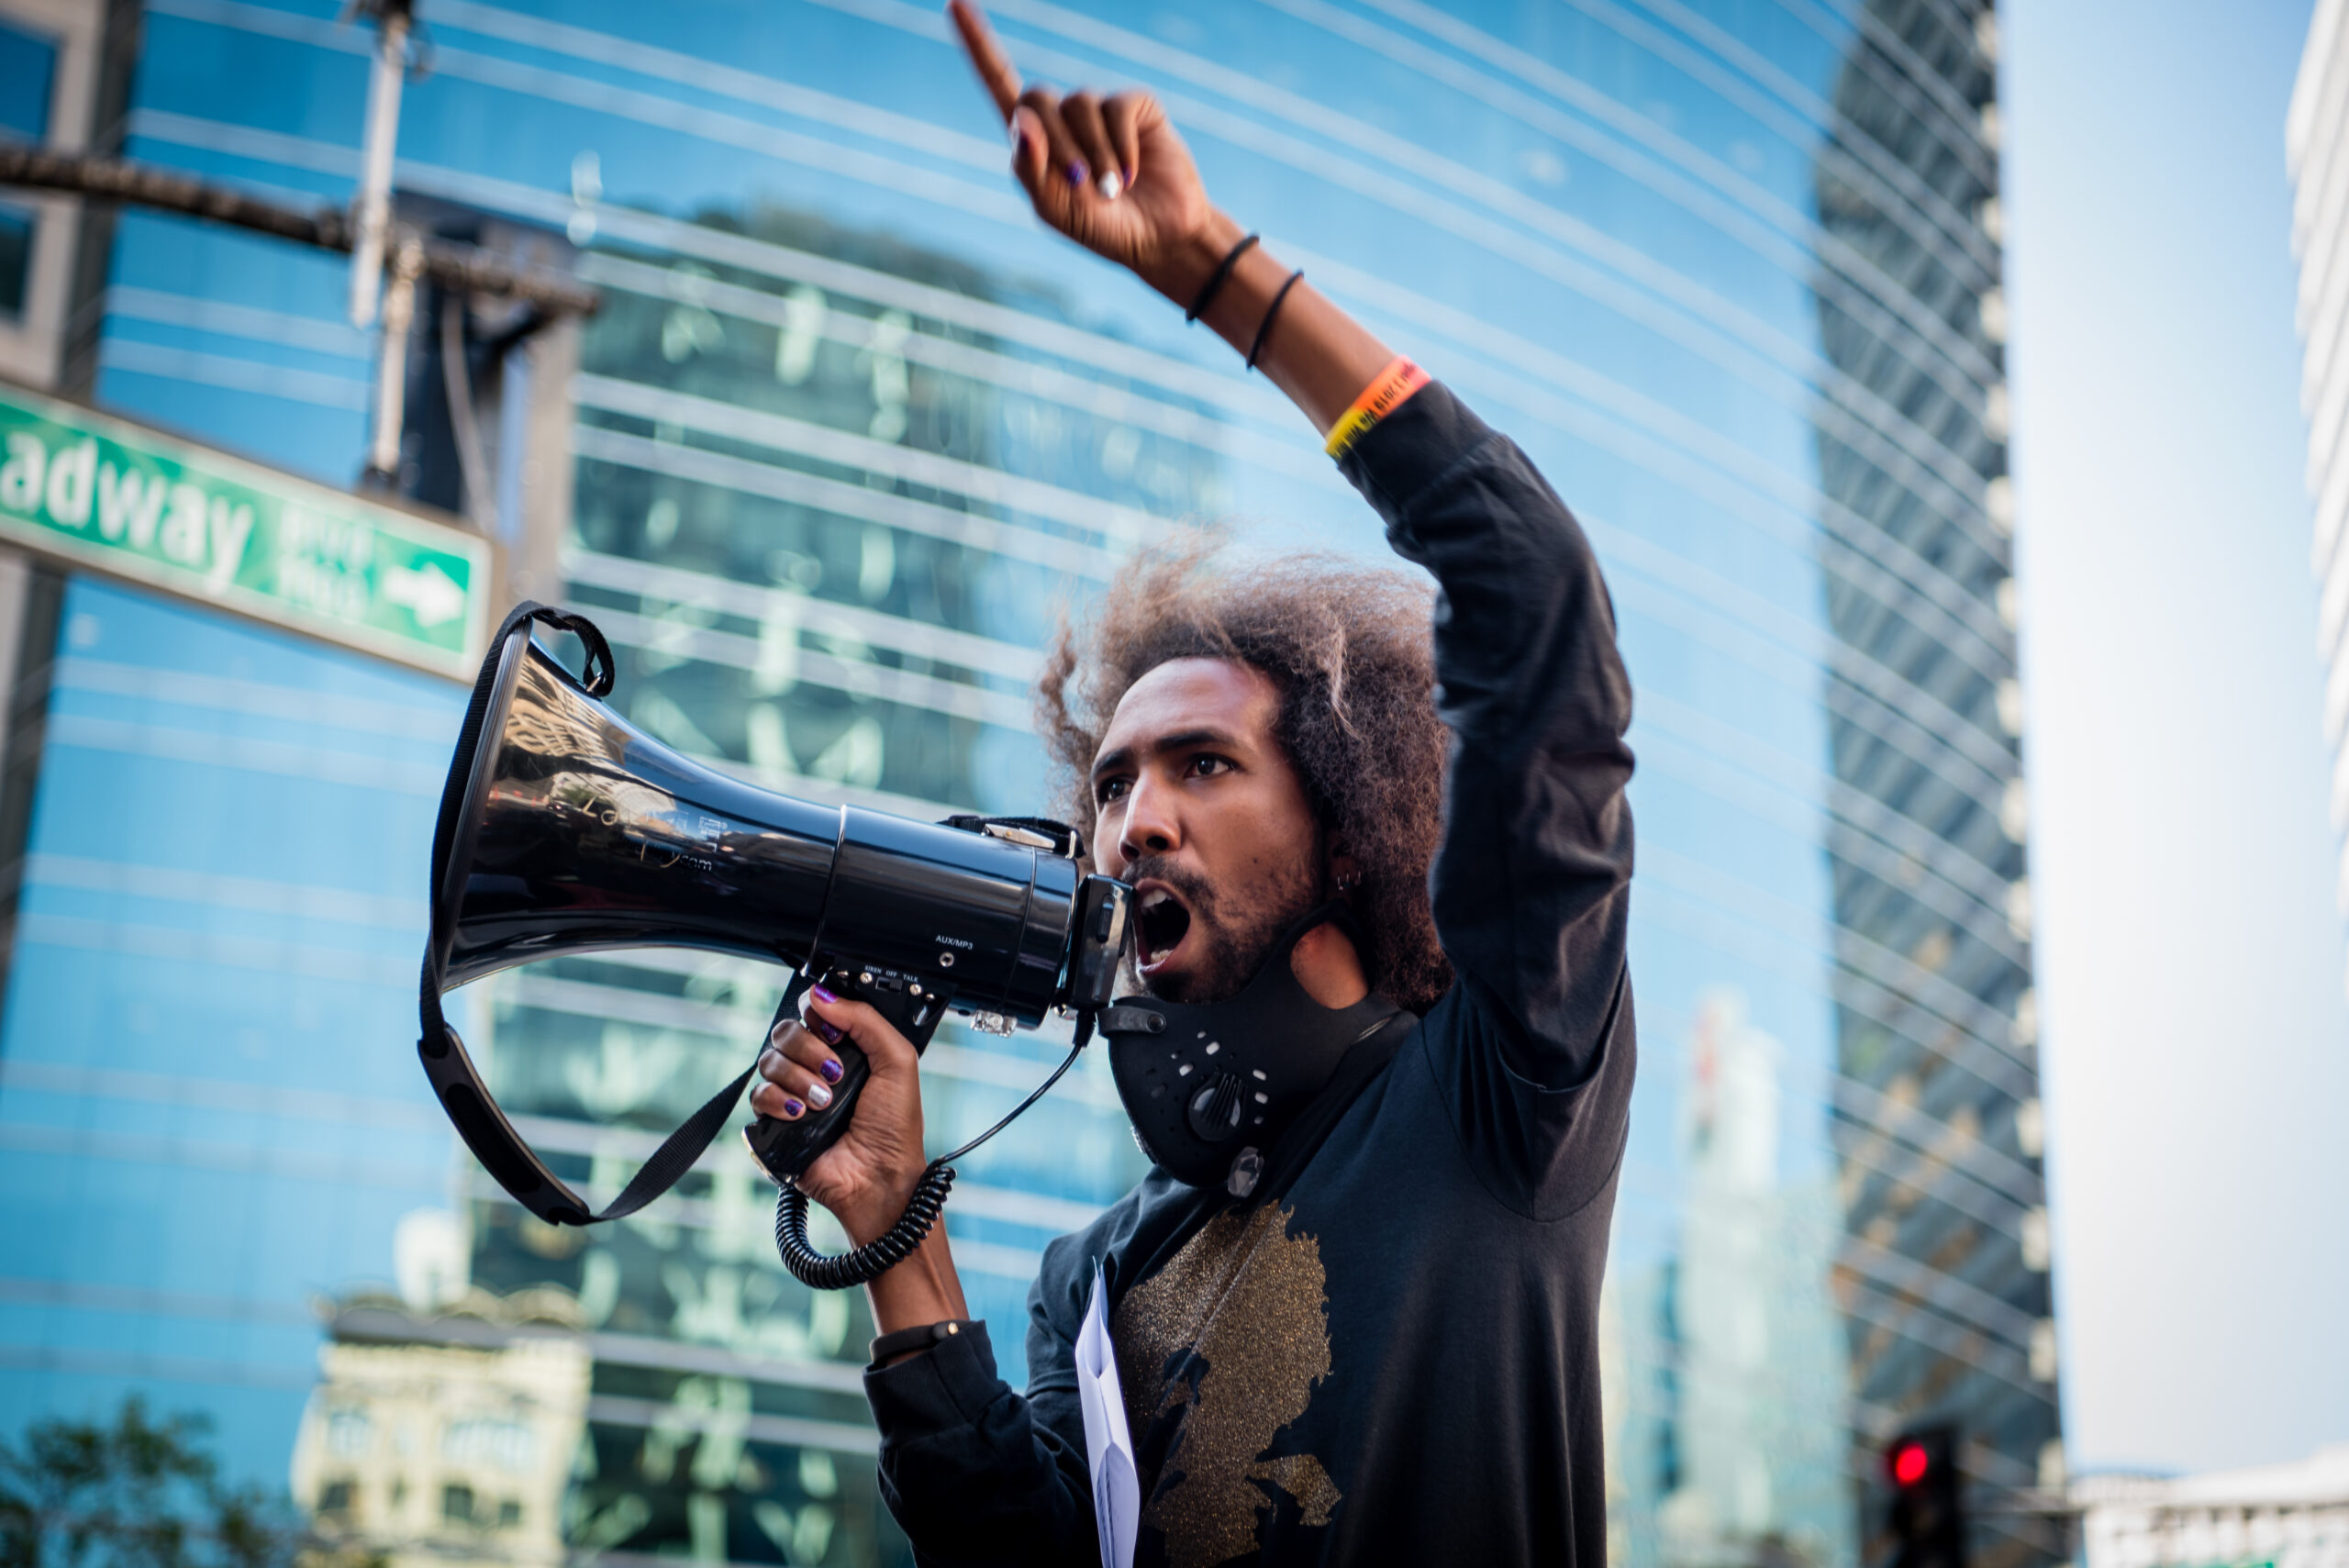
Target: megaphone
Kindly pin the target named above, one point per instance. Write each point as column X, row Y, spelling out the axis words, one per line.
column 564, row 829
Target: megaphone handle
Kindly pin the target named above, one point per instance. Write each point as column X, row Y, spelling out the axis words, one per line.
column 864, row 1264
column 785, row 1148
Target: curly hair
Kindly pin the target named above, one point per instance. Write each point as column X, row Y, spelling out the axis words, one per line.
column 1349, row 650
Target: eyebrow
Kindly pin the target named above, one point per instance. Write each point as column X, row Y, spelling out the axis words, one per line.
column 1181, row 741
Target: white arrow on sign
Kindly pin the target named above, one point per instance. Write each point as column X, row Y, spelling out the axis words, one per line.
column 430, row 593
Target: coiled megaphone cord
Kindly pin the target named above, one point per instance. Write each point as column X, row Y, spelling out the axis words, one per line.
column 862, row 1266
column 876, row 1257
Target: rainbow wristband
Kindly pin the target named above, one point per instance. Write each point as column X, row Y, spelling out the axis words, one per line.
column 1387, row 391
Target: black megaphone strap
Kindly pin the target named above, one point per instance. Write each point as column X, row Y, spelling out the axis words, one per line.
column 463, row 1095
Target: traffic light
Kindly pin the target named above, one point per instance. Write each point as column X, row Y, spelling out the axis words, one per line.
column 1928, row 1517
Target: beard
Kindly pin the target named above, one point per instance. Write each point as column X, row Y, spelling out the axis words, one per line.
column 1229, row 945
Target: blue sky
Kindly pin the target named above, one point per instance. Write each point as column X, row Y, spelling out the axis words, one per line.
column 2190, row 957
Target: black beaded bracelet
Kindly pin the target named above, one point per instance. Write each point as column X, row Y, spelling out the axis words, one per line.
column 920, row 1338
column 1271, row 310
column 1216, row 281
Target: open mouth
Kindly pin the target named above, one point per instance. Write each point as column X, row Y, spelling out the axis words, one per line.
column 1159, row 926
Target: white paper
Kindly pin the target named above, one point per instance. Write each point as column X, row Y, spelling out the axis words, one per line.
column 1108, row 1446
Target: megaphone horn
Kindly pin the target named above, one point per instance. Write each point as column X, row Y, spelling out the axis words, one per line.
column 563, row 830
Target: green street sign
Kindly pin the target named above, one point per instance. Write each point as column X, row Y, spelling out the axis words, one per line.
column 100, row 493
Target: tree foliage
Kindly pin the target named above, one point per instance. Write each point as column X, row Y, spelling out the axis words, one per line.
column 139, row 1494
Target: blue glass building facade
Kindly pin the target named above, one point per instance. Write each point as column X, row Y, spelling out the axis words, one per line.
column 851, row 426
column 207, row 1116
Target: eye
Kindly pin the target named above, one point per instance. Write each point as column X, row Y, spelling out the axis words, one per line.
column 1206, row 766
column 1107, row 790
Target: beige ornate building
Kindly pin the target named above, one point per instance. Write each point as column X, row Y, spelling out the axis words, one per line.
column 445, row 1440
column 2280, row 1516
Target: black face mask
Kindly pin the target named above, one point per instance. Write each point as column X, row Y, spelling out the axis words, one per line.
column 1209, row 1086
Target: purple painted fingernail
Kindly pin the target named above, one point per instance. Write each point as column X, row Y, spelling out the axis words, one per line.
column 793, row 1108
column 830, row 1034
column 1130, row 176
column 830, row 1070
column 821, row 995
column 1077, row 172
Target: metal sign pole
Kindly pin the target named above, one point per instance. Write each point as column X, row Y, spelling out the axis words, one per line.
column 391, row 368
column 370, row 204
column 463, row 267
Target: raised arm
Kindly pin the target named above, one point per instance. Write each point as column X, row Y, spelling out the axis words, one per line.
column 1532, row 1048
column 1538, row 844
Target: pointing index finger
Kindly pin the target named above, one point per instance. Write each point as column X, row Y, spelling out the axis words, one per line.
column 994, row 67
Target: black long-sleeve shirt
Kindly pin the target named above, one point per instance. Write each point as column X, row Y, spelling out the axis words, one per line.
column 1390, row 1353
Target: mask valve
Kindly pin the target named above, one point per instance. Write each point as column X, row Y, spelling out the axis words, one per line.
column 1215, row 1109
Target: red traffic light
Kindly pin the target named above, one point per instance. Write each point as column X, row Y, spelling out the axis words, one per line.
column 1909, row 1463
column 1926, row 1520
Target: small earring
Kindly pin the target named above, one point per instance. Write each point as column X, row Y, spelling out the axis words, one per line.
column 1348, row 883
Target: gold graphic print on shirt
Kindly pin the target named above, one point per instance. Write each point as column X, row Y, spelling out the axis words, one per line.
column 1230, row 1337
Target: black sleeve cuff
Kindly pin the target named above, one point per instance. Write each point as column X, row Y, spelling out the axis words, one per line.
column 1411, row 448
column 948, row 1386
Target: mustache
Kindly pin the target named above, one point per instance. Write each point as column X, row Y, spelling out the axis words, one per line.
column 1197, row 892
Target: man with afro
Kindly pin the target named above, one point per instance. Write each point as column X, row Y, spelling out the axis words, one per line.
column 1380, row 1342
